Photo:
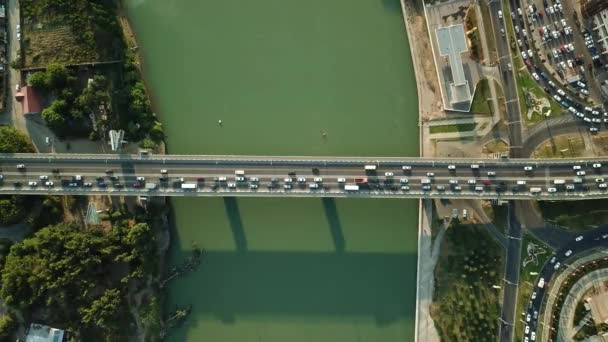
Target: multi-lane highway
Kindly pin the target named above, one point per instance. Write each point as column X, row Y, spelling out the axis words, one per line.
column 190, row 175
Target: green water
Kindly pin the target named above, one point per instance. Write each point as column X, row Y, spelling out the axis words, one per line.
column 279, row 73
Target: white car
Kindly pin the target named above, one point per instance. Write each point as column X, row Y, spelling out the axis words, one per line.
column 499, row 14
column 141, row 179
column 287, row 180
column 536, row 77
column 20, row 166
column 389, row 174
column 317, row 180
column 570, row 47
column 557, row 98
column 530, row 53
column 254, row 179
column 533, row 334
column 491, row 173
column 597, row 165
column 581, row 84
column 163, row 171
column 471, row 181
column 534, row 295
column 552, row 189
column 552, row 84
column 253, row 186
column 584, row 91
column 406, row 168
column 555, row 54
column 451, row 167
column 599, row 180
column 49, row 183
column 239, row 179
column 404, row 181
column 32, row 183
column 528, row 317
column 528, row 168
column 580, row 173
column 43, row 177
column 524, row 55
column 341, row 180
column 552, row 260
column 568, row 253
column 430, row 174
column 527, row 331
column 301, row 180
column 561, row 92
column 578, row 238
column 557, row 266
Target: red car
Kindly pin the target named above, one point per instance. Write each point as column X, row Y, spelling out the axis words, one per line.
column 486, row 182
column 137, row 185
column 200, row 179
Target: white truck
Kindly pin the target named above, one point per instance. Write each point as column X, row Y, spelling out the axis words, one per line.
column 189, row 186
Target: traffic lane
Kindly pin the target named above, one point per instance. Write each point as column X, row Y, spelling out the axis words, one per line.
column 548, row 174
column 595, row 238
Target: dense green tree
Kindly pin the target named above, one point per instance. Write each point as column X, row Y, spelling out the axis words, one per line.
column 8, row 325
column 38, row 80
column 139, row 100
column 75, row 273
column 105, row 311
column 13, row 141
column 156, row 132
column 54, row 120
column 56, row 75
column 11, row 210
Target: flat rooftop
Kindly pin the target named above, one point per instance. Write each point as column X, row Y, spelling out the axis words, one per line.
column 452, row 44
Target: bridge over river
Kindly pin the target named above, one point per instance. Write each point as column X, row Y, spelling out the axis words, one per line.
column 293, row 176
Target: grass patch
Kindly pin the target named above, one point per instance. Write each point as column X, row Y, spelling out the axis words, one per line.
column 496, row 146
column 576, row 215
column 561, row 147
column 452, row 128
column 69, row 31
column 527, row 281
column 525, row 82
column 487, row 24
column 481, row 104
column 465, row 306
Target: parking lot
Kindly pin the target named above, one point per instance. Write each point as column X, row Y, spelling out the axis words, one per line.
column 560, row 56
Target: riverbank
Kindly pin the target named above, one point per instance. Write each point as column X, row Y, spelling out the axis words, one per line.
column 429, row 106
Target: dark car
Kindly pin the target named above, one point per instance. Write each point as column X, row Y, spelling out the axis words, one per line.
column 55, row 170
column 114, row 178
column 108, row 171
column 17, row 184
column 292, row 173
column 118, row 185
column 102, row 185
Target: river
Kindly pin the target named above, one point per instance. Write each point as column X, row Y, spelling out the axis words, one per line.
column 287, row 77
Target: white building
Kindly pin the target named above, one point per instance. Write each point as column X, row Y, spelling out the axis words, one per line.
column 43, row 333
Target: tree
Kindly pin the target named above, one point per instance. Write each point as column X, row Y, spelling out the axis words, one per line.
column 11, row 210
column 156, row 132
column 8, row 326
column 57, row 75
column 104, row 311
column 38, row 80
column 13, row 141
column 54, row 120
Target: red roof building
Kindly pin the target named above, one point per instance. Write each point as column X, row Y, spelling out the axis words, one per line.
column 30, row 100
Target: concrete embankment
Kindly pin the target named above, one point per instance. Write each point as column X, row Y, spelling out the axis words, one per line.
column 421, row 229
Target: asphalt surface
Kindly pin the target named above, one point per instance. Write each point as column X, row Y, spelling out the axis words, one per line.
column 511, row 280
column 494, row 178
column 595, row 238
column 508, row 80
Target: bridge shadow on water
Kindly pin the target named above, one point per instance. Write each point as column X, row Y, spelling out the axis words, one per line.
column 315, row 284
